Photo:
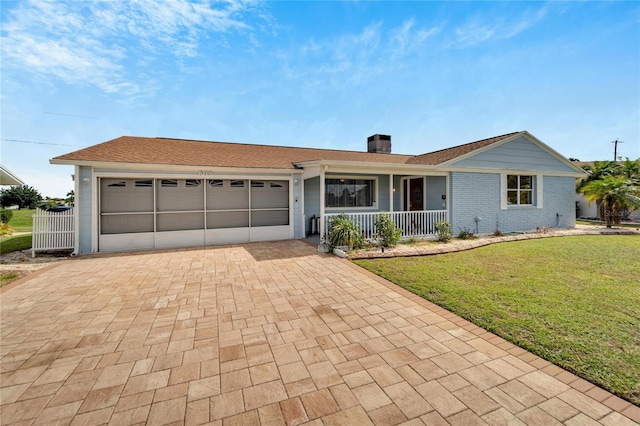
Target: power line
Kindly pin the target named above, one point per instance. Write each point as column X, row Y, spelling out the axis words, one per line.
column 38, row 143
column 72, row 115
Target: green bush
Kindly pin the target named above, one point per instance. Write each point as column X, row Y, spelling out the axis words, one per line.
column 5, row 216
column 388, row 234
column 443, row 231
column 344, row 232
column 466, row 234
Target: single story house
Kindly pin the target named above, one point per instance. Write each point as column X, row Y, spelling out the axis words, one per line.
column 141, row 193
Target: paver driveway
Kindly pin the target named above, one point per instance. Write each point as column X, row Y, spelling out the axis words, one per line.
column 267, row 333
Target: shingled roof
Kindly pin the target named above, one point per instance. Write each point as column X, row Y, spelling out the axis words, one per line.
column 167, row 151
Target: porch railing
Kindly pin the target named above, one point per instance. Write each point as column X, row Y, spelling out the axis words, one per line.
column 52, row 230
column 417, row 224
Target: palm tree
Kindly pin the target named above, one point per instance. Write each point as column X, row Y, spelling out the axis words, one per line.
column 614, row 195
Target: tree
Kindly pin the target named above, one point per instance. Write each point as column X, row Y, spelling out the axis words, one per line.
column 71, row 197
column 614, row 195
column 599, row 170
column 23, row 196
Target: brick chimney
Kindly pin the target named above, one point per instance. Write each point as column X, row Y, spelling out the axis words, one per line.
column 380, row 144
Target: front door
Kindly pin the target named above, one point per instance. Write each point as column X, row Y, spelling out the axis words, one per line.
column 416, row 194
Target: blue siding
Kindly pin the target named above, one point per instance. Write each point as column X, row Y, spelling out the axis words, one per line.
column 478, row 195
column 519, row 154
column 83, row 203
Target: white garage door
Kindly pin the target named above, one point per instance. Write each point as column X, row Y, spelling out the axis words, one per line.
column 154, row 213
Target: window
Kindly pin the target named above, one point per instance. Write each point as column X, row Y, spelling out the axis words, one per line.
column 119, row 184
column 144, row 183
column 237, row 184
column 348, row 192
column 191, row 183
column 169, row 183
column 216, row 182
column 519, row 190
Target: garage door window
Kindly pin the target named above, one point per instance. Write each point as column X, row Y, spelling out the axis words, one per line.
column 126, row 206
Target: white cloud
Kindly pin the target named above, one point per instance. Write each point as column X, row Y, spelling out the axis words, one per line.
column 88, row 43
column 478, row 30
column 350, row 58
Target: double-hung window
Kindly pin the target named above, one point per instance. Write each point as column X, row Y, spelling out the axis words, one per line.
column 350, row 192
column 520, row 190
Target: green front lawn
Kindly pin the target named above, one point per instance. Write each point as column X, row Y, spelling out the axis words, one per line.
column 19, row 242
column 21, row 221
column 574, row 301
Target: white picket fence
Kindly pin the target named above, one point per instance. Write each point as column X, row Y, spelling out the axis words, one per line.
column 52, row 231
column 418, row 224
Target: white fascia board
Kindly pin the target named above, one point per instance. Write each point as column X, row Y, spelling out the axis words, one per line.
column 367, row 168
column 514, row 171
column 190, row 170
column 479, row 150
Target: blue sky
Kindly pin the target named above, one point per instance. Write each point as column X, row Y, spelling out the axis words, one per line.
column 316, row 74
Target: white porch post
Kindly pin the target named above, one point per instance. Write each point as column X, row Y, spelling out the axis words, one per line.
column 322, row 194
column 391, row 193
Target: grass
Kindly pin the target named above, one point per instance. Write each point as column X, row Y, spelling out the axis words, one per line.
column 574, row 301
column 19, row 242
column 21, row 221
column 8, row 278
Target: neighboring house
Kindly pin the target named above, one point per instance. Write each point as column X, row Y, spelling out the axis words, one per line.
column 584, row 210
column 7, row 178
column 141, row 193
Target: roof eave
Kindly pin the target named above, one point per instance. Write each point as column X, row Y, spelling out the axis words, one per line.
column 201, row 169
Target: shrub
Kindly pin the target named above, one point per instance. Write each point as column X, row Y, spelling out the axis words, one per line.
column 388, row 234
column 5, row 216
column 466, row 234
column 411, row 240
column 5, row 229
column 344, row 232
column 443, row 230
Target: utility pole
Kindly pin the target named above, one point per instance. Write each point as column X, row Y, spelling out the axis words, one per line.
column 615, row 149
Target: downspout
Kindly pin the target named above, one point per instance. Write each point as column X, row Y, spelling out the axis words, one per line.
column 76, row 212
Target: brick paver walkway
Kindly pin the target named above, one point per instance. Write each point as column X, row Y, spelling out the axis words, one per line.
column 270, row 333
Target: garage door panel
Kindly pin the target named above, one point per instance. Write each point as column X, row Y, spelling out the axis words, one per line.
column 126, row 223
column 227, row 194
column 270, row 218
column 222, row 220
column 126, row 195
column 180, row 221
column 180, row 195
column 269, row 194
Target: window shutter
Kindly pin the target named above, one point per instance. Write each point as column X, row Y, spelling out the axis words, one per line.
column 503, row 191
column 539, row 191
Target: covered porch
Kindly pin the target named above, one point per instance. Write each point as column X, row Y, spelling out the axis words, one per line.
column 414, row 198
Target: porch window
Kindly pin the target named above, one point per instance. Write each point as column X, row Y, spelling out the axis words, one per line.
column 349, row 192
column 520, row 190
